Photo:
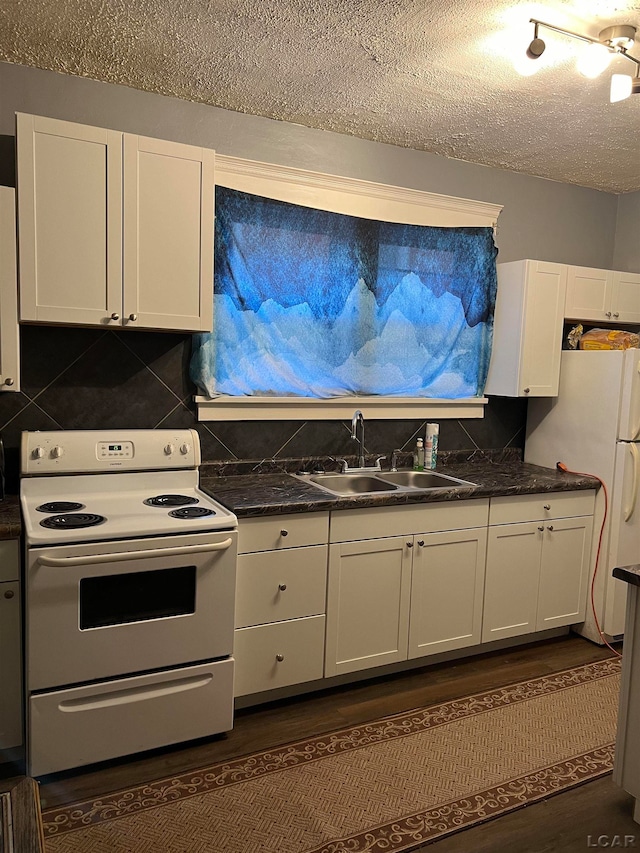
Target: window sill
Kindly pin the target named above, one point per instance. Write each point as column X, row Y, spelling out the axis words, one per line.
column 226, row 408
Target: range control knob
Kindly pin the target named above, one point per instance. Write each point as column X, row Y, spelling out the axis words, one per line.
column 57, row 452
column 185, row 448
column 37, row 453
column 168, row 449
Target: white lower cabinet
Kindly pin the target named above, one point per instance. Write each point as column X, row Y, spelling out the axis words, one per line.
column 404, row 596
column 537, row 570
column 10, row 646
column 402, row 583
column 280, row 601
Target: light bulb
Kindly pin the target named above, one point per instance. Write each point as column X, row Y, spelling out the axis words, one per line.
column 621, row 85
column 593, row 60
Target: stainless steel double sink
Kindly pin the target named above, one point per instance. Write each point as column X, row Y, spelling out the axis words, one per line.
column 364, row 483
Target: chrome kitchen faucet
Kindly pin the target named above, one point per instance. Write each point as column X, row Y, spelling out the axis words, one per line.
column 358, row 418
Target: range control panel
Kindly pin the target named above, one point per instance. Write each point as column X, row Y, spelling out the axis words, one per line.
column 86, row 451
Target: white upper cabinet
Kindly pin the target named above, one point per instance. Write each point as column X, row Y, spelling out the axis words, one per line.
column 602, row 296
column 527, row 335
column 9, row 344
column 114, row 229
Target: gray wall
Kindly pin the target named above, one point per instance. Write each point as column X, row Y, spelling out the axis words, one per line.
column 626, row 255
column 89, row 378
column 541, row 219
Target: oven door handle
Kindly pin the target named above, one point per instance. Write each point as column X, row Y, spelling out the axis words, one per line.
column 92, row 559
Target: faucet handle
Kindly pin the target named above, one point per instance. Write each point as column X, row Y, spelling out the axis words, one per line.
column 343, row 464
column 394, row 459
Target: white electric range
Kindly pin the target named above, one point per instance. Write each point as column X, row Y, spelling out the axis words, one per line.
column 130, row 590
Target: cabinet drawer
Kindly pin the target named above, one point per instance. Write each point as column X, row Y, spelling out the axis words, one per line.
column 282, row 531
column 378, row 522
column 511, row 510
column 300, row 644
column 9, row 560
column 277, row 585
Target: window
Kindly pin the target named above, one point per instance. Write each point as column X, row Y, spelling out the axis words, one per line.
column 317, row 306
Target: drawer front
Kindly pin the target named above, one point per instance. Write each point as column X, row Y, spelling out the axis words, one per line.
column 82, row 725
column 300, row 644
column 511, row 510
column 282, row 531
column 379, row 522
column 9, row 560
column 277, row 585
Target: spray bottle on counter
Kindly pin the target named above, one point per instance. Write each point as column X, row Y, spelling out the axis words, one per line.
column 431, row 445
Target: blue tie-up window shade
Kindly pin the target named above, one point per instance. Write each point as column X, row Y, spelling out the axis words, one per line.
column 310, row 303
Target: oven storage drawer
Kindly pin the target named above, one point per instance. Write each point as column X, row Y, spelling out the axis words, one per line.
column 280, row 654
column 83, row 725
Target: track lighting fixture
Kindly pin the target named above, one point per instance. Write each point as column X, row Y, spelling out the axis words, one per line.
column 612, row 41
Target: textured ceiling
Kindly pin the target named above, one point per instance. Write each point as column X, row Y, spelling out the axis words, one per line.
column 434, row 76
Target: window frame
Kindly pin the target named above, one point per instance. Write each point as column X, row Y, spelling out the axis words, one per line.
column 355, row 197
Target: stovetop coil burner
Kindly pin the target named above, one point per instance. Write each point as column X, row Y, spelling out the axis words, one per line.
column 191, row 512
column 60, row 506
column 170, row 500
column 71, row 521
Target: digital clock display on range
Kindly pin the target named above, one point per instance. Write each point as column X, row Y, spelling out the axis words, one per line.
column 115, row 447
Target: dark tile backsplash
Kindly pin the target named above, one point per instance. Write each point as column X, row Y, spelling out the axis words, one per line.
column 90, row 378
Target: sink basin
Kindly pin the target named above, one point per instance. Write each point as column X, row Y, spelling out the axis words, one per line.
column 351, row 484
column 347, row 484
column 423, row 479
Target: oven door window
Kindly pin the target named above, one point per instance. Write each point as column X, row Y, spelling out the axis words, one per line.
column 137, row 596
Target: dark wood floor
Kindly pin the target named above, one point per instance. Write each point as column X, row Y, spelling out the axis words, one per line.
column 589, row 816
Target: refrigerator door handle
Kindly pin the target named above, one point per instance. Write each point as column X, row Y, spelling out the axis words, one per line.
column 635, row 457
column 636, row 434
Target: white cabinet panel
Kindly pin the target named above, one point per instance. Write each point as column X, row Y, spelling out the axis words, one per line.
column 447, row 589
column 282, row 531
column 626, row 297
column 562, row 594
column 527, row 334
column 70, row 218
column 10, row 666
column 604, row 296
column 512, row 575
column 278, row 655
column 9, row 343
column 589, row 293
column 354, row 524
column 168, row 234
column 278, row 585
column 367, row 604
column 515, row 508
column 10, row 645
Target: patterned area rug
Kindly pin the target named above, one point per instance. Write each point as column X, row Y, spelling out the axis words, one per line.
column 390, row 785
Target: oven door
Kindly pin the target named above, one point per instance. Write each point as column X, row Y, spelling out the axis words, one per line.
column 102, row 610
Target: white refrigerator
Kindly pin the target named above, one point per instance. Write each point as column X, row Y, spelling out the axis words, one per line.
column 593, row 426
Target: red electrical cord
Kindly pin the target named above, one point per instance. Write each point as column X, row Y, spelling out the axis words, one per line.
column 562, row 467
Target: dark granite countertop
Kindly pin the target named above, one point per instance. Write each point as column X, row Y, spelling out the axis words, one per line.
column 630, row 574
column 280, row 492
column 10, row 520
